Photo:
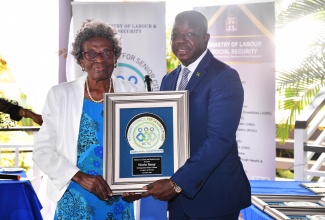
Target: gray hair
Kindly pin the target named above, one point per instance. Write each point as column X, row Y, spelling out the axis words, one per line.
column 95, row 28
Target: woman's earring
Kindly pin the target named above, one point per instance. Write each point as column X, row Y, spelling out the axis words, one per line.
column 115, row 65
column 83, row 69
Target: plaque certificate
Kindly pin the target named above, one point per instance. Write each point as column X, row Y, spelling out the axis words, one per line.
column 145, row 137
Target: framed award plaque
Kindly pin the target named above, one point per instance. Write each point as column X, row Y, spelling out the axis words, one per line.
column 146, row 138
column 294, row 207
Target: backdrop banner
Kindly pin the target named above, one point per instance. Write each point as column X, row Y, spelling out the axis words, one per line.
column 243, row 37
column 143, row 31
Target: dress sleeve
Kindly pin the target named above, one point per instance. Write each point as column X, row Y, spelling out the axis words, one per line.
column 11, row 109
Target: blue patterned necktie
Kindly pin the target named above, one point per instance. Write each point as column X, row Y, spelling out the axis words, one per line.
column 184, row 79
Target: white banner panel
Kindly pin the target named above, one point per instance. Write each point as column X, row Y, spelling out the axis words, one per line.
column 142, row 27
column 243, row 37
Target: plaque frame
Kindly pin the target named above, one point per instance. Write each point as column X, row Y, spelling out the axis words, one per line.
column 142, row 102
column 261, row 201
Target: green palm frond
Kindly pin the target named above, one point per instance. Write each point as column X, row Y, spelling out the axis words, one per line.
column 300, row 9
column 310, row 71
column 298, row 85
column 296, row 98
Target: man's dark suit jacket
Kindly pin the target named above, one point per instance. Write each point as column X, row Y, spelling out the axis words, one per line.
column 213, row 180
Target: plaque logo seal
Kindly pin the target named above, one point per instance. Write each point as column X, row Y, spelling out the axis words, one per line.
column 146, row 133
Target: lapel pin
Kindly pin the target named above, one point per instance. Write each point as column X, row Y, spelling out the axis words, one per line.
column 198, row 74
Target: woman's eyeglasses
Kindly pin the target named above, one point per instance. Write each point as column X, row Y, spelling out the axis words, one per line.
column 92, row 55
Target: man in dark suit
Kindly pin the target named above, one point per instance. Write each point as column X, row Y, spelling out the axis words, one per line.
column 212, row 183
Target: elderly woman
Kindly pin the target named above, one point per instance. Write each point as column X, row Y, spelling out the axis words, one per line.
column 69, row 145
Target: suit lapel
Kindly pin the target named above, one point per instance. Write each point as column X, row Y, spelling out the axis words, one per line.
column 199, row 72
column 175, row 77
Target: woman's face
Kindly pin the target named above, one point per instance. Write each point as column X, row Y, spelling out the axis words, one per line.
column 98, row 58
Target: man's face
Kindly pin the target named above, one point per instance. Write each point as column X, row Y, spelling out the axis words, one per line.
column 188, row 42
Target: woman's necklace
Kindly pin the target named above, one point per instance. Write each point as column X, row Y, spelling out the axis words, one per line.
column 109, row 91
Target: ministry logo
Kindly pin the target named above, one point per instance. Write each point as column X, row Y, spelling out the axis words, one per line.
column 231, row 24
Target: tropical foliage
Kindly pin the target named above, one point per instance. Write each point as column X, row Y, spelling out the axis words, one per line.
column 3, row 64
column 298, row 84
column 7, row 156
column 6, row 75
column 172, row 61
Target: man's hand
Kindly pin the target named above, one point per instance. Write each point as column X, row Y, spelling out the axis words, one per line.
column 161, row 189
column 94, row 184
column 131, row 196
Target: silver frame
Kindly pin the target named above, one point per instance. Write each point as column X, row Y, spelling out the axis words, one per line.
column 113, row 103
column 281, row 212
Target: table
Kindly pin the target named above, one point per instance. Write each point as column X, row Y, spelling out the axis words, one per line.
column 272, row 187
column 152, row 209
column 18, row 200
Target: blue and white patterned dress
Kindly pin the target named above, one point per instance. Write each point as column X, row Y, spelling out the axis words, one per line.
column 78, row 203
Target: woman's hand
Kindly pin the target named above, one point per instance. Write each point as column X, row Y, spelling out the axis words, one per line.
column 94, row 184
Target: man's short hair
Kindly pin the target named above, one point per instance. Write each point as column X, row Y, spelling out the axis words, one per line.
column 194, row 18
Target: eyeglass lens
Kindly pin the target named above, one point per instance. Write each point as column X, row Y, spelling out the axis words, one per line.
column 92, row 55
